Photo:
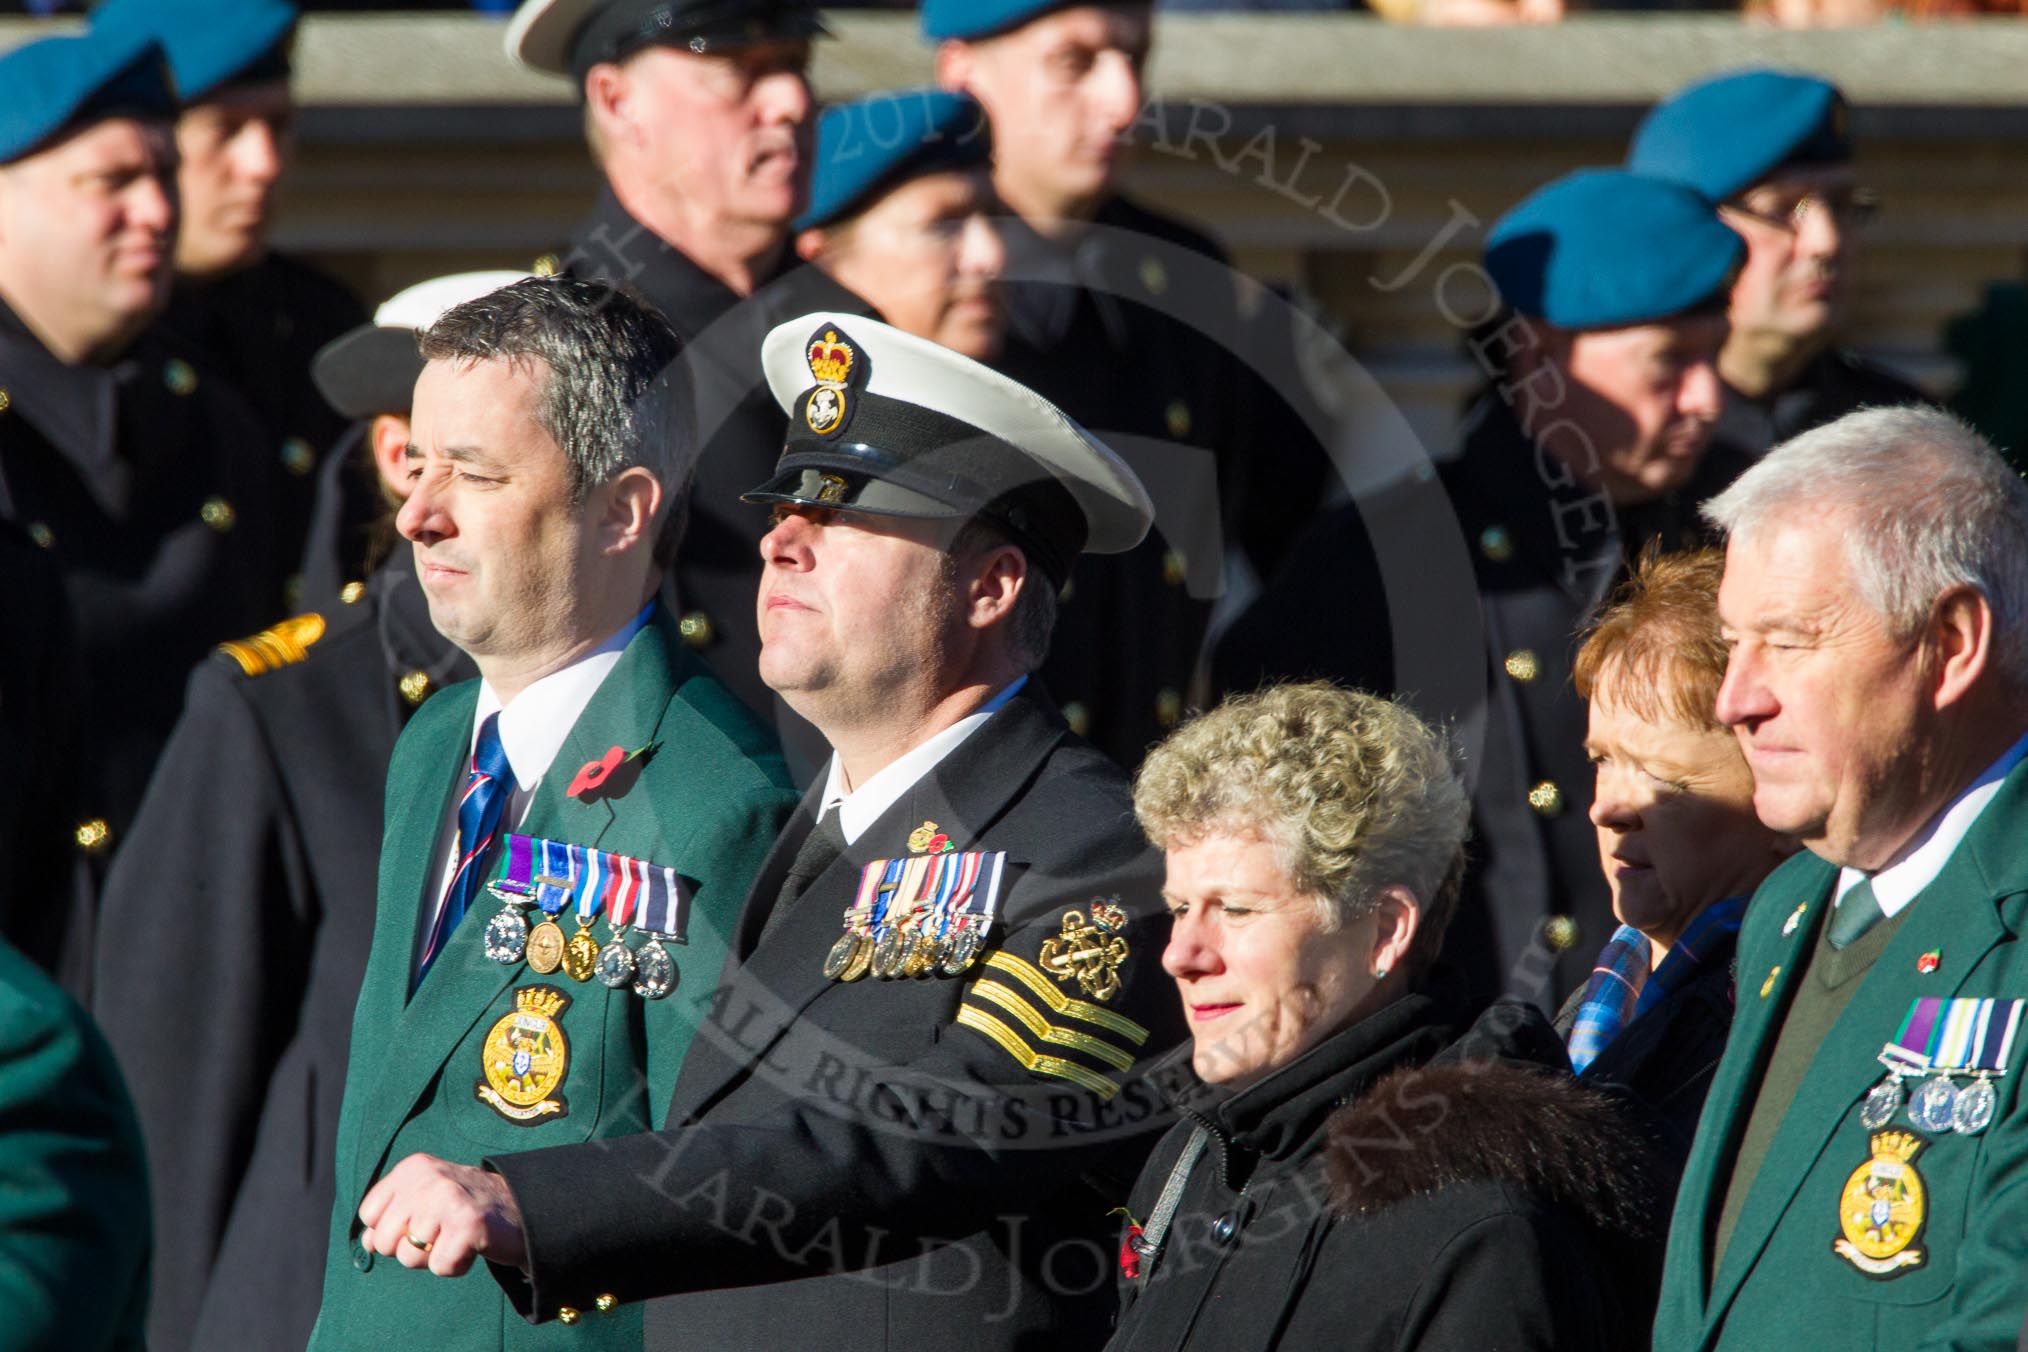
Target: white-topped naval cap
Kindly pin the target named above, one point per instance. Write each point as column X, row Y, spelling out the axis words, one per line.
column 855, row 428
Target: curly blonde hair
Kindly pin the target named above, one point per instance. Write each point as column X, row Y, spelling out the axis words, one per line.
column 1355, row 792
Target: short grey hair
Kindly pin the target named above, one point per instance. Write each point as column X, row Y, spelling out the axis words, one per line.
column 614, row 394
column 1928, row 504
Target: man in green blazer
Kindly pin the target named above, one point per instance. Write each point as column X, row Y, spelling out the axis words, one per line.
column 595, row 782
column 1860, row 1175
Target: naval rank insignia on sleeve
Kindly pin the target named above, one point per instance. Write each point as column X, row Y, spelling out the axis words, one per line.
column 1883, row 1207
column 1091, row 951
column 525, row 1058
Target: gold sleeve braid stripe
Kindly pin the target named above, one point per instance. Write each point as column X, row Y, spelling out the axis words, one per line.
column 1032, row 977
column 1042, row 1030
column 277, row 646
column 1029, row 1059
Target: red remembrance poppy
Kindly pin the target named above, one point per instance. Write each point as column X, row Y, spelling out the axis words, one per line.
column 594, row 772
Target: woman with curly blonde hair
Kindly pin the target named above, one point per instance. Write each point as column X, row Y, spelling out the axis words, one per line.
column 1358, row 1164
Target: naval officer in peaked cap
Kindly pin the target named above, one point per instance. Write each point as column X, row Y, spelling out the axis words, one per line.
column 920, row 1091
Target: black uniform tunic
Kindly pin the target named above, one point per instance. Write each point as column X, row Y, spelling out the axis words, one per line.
column 1542, row 555
column 917, row 1162
column 147, row 482
column 260, row 328
column 238, row 920
column 1133, row 329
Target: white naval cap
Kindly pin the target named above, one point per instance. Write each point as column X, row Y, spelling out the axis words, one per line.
column 372, row 369
column 886, row 423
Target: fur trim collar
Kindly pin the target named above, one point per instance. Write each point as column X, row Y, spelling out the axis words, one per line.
column 1421, row 1129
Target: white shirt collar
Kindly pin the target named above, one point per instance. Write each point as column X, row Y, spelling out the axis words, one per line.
column 1897, row 885
column 864, row 805
column 535, row 722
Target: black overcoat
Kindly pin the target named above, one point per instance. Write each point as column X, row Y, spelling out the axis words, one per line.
column 1383, row 1193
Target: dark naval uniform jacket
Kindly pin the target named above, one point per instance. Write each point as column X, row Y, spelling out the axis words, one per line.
column 1940, row 1218
column 1397, row 1187
column 1134, row 330
column 740, row 427
column 261, row 328
column 145, row 481
column 1837, row 382
column 914, row 1162
column 74, row 1235
column 706, row 800
column 239, row 920
column 40, row 727
column 1543, row 552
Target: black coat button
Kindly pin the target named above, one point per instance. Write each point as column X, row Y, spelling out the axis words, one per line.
column 1223, row 1228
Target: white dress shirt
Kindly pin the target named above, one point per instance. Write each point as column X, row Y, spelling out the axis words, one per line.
column 1898, row 884
column 863, row 806
column 532, row 728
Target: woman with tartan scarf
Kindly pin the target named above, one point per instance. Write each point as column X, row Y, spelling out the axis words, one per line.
column 1680, row 845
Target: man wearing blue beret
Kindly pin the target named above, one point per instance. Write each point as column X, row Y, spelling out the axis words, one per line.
column 900, row 216
column 1129, row 321
column 1602, row 394
column 1774, row 150
column 257, row 315
column 141, row 474
column 700, row 115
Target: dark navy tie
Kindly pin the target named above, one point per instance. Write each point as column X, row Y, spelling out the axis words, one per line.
column 487, row 787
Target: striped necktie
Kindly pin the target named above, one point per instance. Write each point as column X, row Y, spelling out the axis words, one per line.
column 487, row 788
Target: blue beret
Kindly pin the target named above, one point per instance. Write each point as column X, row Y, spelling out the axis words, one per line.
column 1602, row 247
column 972, row 19
column 1724, row 135
column 876, row 143
column 210, row 42
column 56, row 83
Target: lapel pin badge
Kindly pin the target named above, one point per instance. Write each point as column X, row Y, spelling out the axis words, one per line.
column 1929, row 961
column 1767, row 986
column 1795, row 919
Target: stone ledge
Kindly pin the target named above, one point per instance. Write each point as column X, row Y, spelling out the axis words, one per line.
column 1475, row 78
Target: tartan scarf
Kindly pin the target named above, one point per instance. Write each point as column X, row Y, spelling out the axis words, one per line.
column 1621, row 988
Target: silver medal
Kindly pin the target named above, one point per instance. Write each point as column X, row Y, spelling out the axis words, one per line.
column 616, row 964
column 507, row 936
column 654, row 971
column 960, row 950
column 1933, row 1104
column 1973, row 1112
column 1882, row 1103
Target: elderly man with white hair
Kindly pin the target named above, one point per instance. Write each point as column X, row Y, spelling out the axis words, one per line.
column 1860, row 1176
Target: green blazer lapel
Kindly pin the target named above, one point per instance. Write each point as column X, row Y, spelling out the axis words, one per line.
column 627, row 712
column 1766, row 963
column 1958, row 914
column 417, row 800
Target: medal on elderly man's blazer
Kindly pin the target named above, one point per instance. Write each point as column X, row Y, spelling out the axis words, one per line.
column 662, row 914
column 1944, row 1038
column 525, row 1058
column 1882, row 1208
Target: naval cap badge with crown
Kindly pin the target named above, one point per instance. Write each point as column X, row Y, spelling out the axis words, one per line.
column 836, row 365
